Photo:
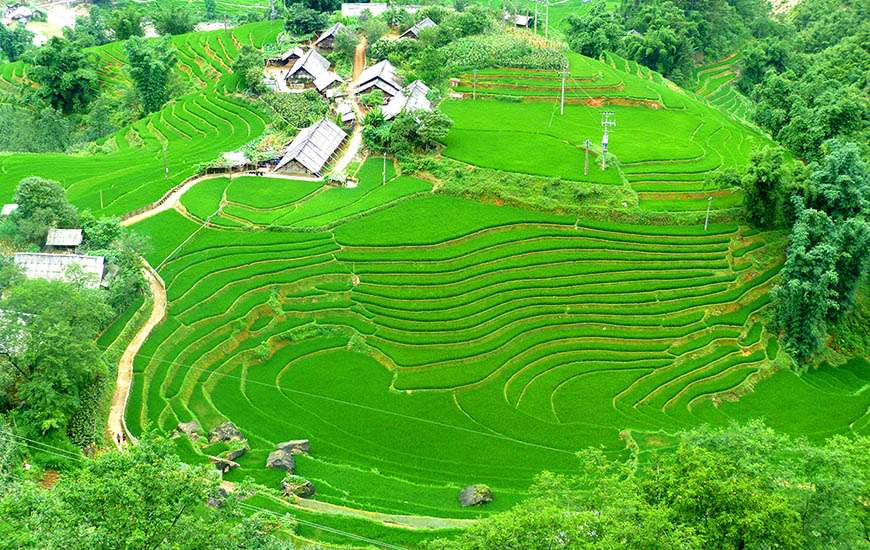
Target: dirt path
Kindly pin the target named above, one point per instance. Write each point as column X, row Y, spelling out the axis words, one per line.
column 395, row 520
column 353, row 146
column 117, row 425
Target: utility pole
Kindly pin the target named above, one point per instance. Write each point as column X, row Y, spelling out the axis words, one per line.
column 536, row 16
column 586, row 145
column 384, row 171
column 707, row 220
column 562, row 106
column 606, row 123
column 165, row 164
column 547, row 23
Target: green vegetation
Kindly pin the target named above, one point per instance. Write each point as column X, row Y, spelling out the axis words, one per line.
column 665, row 147
column 739, row 487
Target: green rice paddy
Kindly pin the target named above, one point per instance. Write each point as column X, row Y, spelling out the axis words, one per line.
column 424, row 342
column 665, row 144
column 193, row 129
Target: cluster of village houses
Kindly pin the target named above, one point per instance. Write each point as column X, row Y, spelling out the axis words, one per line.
column 298, row 69
column 293, row 71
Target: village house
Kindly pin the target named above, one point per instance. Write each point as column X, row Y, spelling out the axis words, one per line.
column 412, row 98
column 62, row 267
column 326, row 41
column 306, row 69
column 8, row 209
column 414, row 32
column 66, row 240
column 522, row 21
column 380, row 76
column 311, row 149
column 285, row 59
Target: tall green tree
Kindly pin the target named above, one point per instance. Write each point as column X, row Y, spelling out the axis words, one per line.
column 126, row 22
column 210, row 9
column 42, row 204
column 143, row 497
column 839, row 184
column 151, row 63
column 807, row 293
column 594, row 32
column 14, row 41
column 172, row 19
column 302, row 20
column 765, row 178
column 49, row 354
column 66, row 75
column 249, row 67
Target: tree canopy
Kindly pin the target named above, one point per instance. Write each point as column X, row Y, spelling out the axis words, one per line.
column 151, row 63
column 66, row 74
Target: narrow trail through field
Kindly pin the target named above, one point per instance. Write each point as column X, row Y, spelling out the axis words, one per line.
column 397, row 520
column 353, row 147
column 117, row 427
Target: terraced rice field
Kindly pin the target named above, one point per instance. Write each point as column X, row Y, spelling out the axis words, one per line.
column 715, row 84
column 193, row 129
column 666, row 141
column 427, row 342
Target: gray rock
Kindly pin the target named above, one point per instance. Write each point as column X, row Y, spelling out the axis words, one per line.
column 282, row 460
column 295, row 446
column 225, row 432
column 475, row 495
column 217, row 500
column 189, row 429
column 236, row 453
column 223, row 465
column 297, row 486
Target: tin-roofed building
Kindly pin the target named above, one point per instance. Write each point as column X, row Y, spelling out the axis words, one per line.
column 286, row 59
column 414, row 32
column 518, row 20
column 412, row 98
column 312, row 148
column 381, row 76
column 8, row 209
column 63, row 239
column 307, row 68
column 59, row 267
column 326, row 40
column 327, row 80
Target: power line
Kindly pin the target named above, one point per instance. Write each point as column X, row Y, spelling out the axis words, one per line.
column 328, row 529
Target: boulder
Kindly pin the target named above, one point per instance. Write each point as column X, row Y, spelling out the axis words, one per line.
column 297, row 486
column 223, row 465
column 295, row 446
column 233, row 454
column 189, row 429
column 216, row 500
column 225, row 432
column 282, row 460
column 475, row 495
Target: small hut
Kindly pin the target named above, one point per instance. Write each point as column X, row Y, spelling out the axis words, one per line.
column 414, row 32
column 311, row 149
column 63, row 239
column 285, row 59
column 8, row 209
column 326, row 41
column 306, row 69
column 412, row 98
column 381, row 76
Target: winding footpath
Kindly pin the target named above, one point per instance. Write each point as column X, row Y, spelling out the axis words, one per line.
column 117, row 426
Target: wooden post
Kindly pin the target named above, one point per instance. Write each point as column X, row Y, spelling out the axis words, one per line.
column 586, row 144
